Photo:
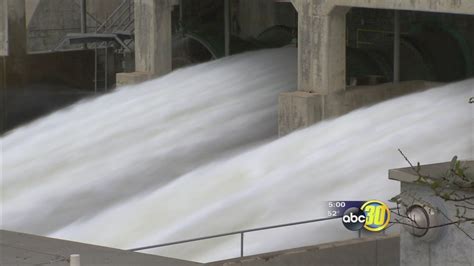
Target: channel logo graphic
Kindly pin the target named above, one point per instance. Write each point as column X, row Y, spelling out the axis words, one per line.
column 372, row 215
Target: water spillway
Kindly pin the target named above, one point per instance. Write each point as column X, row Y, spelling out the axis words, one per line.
column 163, row 161
column 62, row 164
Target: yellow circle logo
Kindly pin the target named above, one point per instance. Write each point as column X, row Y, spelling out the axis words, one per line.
column 377, row 215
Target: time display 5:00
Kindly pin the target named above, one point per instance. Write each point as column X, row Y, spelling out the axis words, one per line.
column 336, row 204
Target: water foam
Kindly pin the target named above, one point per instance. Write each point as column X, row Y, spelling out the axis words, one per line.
column 283, row 181
column 77, row 162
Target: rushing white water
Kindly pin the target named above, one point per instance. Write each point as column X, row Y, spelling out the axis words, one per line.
column 77, row 162
column 134, row 168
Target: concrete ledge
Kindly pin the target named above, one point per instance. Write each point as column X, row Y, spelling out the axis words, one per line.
column 352, row 98
column 447, row 244
column 124, row 79
column 298, row 109
column 24, row 249
column 380, row 250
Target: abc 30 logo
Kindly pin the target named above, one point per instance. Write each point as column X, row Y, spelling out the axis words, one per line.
column 373, row 215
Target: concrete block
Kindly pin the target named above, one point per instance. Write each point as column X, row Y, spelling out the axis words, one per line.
column 381, row 250
column 25, row 249
column 131, row 78
column 3, row 28
column 301, row 109
column 297, row 110
column 452, row 246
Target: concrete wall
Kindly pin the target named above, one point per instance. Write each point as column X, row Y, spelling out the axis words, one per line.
column 383, row 250
column 3, row 28
column 255, row 16
column 325, row 7
column 49, row 21
column 153, row 36
column 24, row 249
column 301, row 109
column 73, row 69
column 453, row 246
column 322, row 56
column 322, row 33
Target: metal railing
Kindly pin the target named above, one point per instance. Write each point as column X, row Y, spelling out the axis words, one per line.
column 120, row 19
column 241, row 233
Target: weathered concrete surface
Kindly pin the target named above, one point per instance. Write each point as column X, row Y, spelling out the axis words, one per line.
column 382, row 250
column 324, row 7
column 23, row 249
column 3, row 28
column 48, row 21
column 321, row 51
column 16, row 28
column 20, row 69
column 453, row 247
column 74, row 69
column 131, row 78
column 153, row 49
column 342, row 102
column 255, row 16
column 300, row 109
column 322, row 31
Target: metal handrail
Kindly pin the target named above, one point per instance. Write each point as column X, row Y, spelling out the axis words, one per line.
column 112, row 15
column 126, row 18
column 97, row 22
column 241, row 233
column 117, row 19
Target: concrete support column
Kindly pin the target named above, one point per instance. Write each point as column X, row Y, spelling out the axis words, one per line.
column 321, row 50
column 13, row 43
column 16, row 27
column 153, row 37
column 255, row 16
column 3, row 28
column 321, row 67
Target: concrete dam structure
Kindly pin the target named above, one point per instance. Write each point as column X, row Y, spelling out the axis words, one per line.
column 215, row 132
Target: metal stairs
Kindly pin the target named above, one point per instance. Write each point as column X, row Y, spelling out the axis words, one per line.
column 115, row 33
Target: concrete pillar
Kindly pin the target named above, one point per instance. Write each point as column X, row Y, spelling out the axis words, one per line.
column 321, row 66
column 153, row 37
column 13, row 46
column 16, row 28
column 3, row 28
column 255, row 16
column 321, row 50
column 298, row 109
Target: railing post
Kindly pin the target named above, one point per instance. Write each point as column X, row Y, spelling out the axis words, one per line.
column 84, row 19
column 226, row 27
column 241, row 244
column 396, row 47
column 75, row 260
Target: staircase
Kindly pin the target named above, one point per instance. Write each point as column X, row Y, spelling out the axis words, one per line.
column 113, row 37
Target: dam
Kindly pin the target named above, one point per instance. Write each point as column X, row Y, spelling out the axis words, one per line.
column 130, row 124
